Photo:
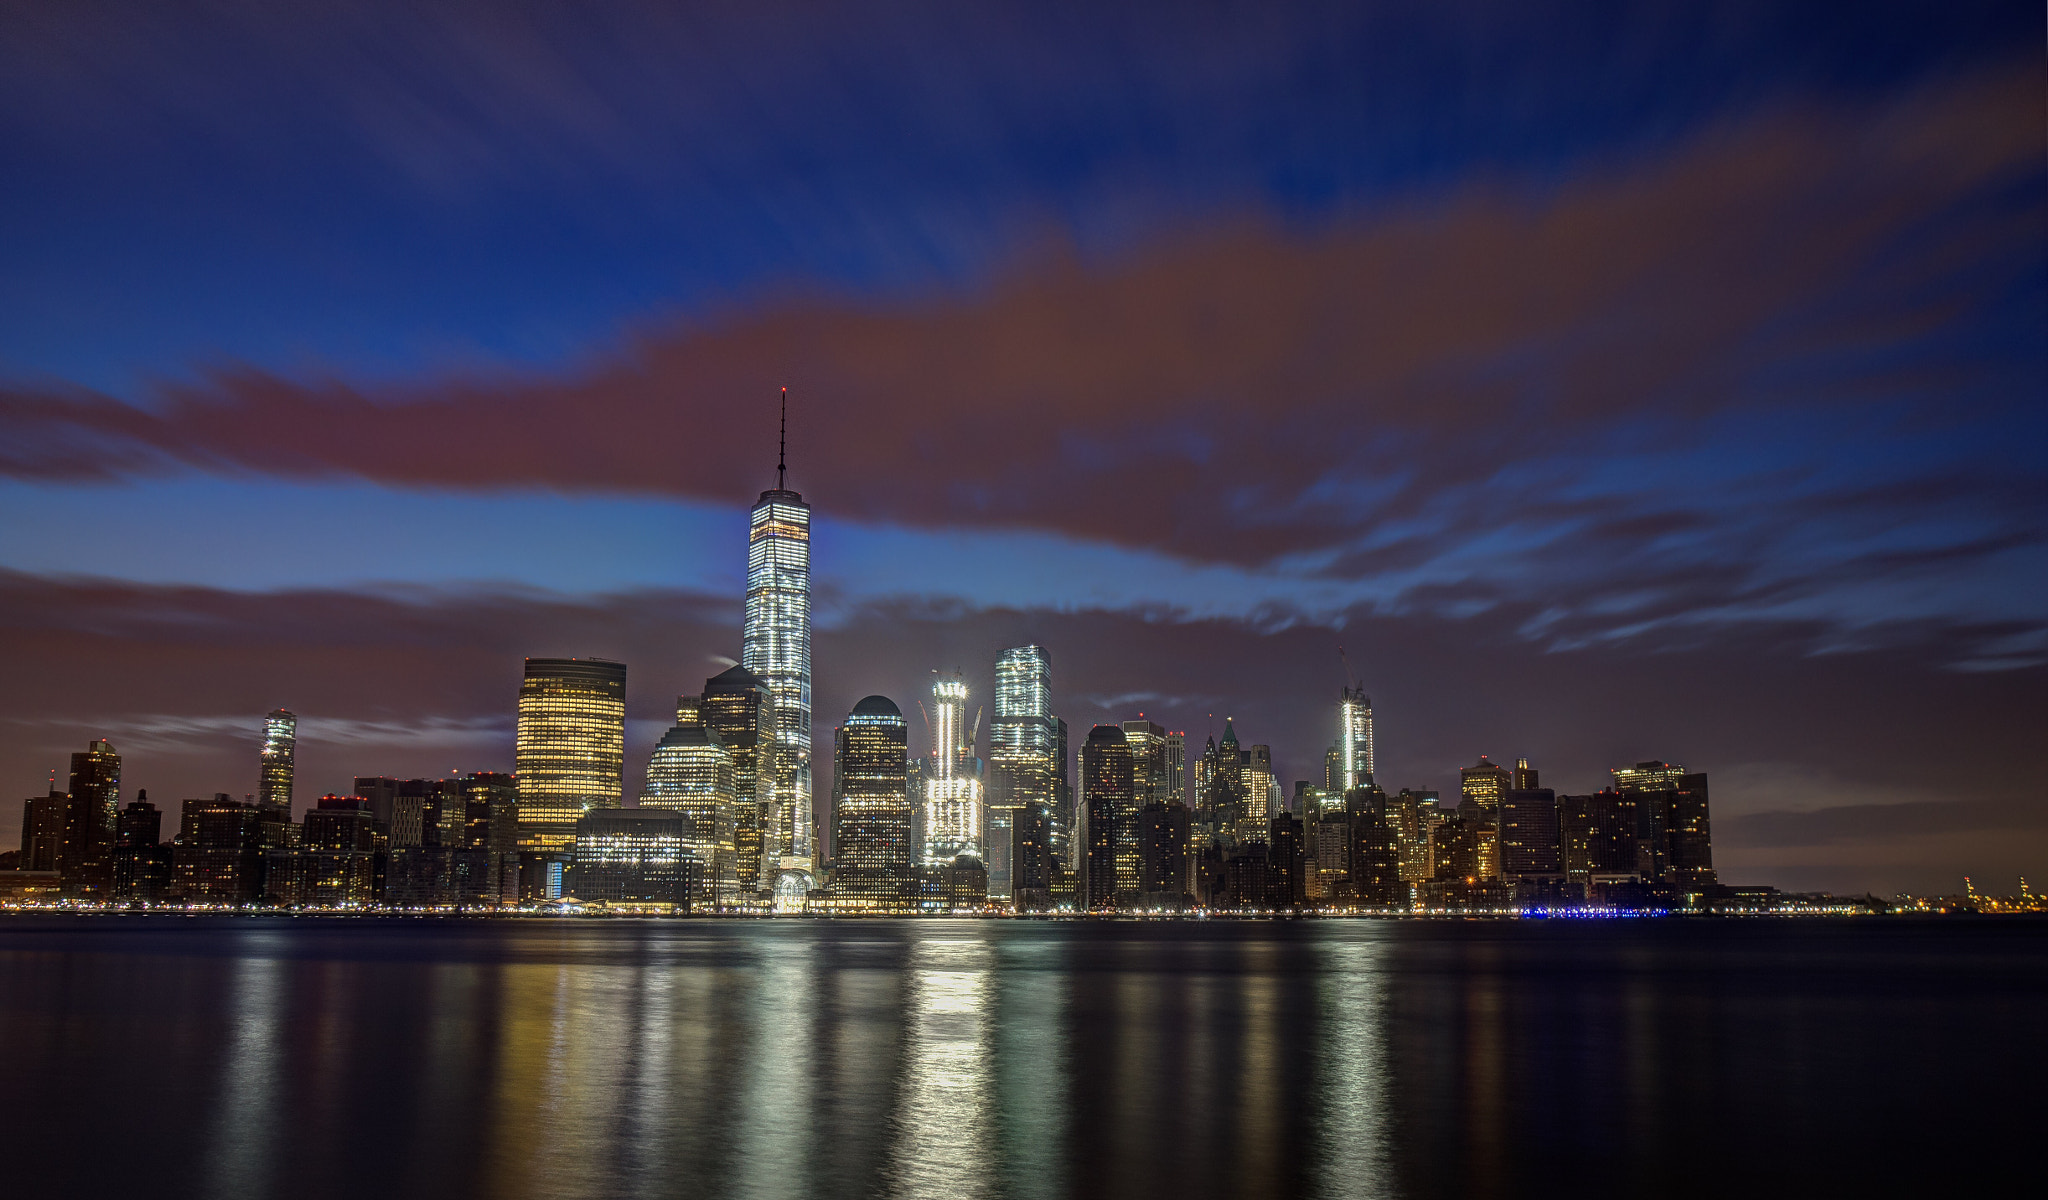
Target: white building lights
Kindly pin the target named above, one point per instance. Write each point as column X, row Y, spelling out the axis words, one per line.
column 1354, row 738
column 953, row 805
column 777, row 648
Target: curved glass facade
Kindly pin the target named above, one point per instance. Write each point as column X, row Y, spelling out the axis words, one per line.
column 777, row 649
column 692, row 772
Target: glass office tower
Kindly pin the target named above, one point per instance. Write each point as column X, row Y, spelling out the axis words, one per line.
column 873, row 867
column 280, row 748
column 571, row 747
column 777, row 649
column 1354, row 739
column 1020, row 770
column 691, row 772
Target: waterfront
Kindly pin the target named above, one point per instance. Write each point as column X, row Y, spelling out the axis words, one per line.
column 309, row 1057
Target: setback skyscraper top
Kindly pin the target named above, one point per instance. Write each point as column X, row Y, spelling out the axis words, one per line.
column 777, row 648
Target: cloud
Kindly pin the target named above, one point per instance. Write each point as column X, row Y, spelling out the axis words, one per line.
column 1226, row 394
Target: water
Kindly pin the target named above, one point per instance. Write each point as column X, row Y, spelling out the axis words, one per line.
column 304, row 1058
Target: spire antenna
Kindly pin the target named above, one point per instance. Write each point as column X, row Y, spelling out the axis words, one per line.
column 782, row 446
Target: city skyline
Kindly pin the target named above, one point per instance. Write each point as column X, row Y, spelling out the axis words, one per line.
column 1611, row 385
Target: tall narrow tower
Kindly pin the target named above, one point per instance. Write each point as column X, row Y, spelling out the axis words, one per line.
column 777, row 649
column 1354, row 739
column 280, row 749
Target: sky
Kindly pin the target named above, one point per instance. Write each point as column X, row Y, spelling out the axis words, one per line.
column 1609, row 382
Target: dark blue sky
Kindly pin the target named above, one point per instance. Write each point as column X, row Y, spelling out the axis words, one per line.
column 1666, row 349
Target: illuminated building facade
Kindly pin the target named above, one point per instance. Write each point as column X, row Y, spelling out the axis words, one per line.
column 42, row 830
column 874, row 868
column 219, row 855
column 738, row 707
column 486, row 867
column 280, row 748
column 1106, row 792
column 1354, row 739
column 86, row 846
column 777, row 650
column 691, row 772
column 1485, row 784
column 636, row 857
column 1020, row 769
column 952, row 793
column 571, row 747
column 1148, row 785
column 339, row 849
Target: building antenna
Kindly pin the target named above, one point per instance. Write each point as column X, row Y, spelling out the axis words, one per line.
column 1350, row 676
column 782, row 445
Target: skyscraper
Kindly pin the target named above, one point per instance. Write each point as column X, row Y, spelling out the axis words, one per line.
column 952, row 793
column 1486, row 783
column 874, row 866
column 691, row 773
column 777, row 649
column 85, row 854
column 280, row 748
column 1354, row 738
column 1148, row 785
column 1020, row 768
column 1106, row 791
column 571, row 747
column 1674, row 837
column 740, row 709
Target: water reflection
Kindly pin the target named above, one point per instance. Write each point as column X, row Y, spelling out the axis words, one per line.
column 942, row 1142
column 1352, row 1073
column 1006, row 1060
column 246, row 1120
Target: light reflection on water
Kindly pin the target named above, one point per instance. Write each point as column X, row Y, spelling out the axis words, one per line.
column 1007, row 1060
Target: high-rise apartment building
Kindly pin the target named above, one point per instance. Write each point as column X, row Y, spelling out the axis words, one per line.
column 571, row 749
column 1531, row 846
column 219, row 857
column 691, row 772
column 1176, row 767
column 776, row 649
column 280, row 750
column 85, row 852
column 340, row 848
column 953, row 800
column 1354, row 739
column 874, row 867
column 42, row 830
column 486, row 868
column 1106, row 791
column 1486, row 783
column 142, row 864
